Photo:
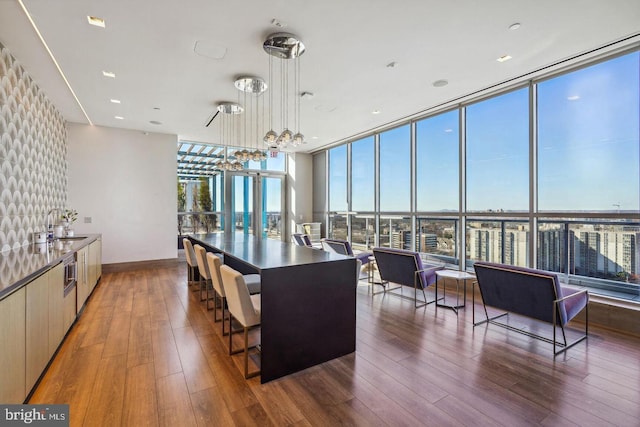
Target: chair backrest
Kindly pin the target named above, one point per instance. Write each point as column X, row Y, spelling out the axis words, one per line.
column 337, row 246
column 214, row 263
column 301, row 239
column 521, row 290
column 401, row 266
column 189, row 252
column 203, row 268
column 238, row 298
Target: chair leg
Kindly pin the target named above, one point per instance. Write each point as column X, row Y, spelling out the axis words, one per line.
column 203, row 285
column 248, row 375
column 210, row 287
column 230, row 333
column 215, row 309
column 246, row 352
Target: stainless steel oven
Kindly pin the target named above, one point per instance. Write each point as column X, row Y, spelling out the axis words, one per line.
column 70, row 272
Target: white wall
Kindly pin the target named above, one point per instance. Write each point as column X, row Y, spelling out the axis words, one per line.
column 299, row 189
column 125, row 181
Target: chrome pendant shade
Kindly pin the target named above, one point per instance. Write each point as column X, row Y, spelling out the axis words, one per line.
column 283, row 46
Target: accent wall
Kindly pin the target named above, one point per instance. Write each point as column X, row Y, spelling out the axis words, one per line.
column 33, row 166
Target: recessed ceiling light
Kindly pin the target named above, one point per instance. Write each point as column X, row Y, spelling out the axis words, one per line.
column 514, row 26
column 109, row 74
column 115, row 101
column 119, row 117
column 504, row 58
column 95, row 21
column 573, row 97
column 375, row 112
column 314, row 137
column 155, row 122
column 440, row 83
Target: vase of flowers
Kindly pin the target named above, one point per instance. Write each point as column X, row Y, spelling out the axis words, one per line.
column 68, row 217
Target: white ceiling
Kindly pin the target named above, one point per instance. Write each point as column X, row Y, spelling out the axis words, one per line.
column 149, row 44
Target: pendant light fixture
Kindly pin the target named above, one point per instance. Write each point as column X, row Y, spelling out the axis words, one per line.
column 228, row 123
column 253, row 89
column 286, row 48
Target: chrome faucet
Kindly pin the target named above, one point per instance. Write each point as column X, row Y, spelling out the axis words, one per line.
column 47, row 221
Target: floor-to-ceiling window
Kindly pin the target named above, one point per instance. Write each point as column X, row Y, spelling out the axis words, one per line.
column 363, row 175
column 550, row 179
column 588, row 150
column 497, row 147
column 437, row 163
column 395, row 170
column 338, row 203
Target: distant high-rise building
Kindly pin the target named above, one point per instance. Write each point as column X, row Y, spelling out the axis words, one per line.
column 401, row 240
column 488, row 244
column 606, row 253
column 551, row 250
column 428, row 243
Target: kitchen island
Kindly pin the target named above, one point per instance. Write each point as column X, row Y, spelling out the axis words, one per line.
column 308, row 299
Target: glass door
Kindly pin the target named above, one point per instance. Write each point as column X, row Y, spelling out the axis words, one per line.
column 272, row 206
column 242, row 203
column 257, row 203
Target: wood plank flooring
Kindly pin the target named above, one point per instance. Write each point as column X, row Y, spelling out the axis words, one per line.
column 146, row 352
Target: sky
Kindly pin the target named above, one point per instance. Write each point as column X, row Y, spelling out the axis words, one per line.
column 588, row 150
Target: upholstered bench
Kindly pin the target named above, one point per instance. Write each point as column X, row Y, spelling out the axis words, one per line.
column 532, row 293
column 405, row 268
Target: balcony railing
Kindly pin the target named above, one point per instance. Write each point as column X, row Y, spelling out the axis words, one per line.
column 602, row 255
column 200, row 222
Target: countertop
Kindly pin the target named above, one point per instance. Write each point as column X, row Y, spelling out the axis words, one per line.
column 265, row 253
column 20, row 266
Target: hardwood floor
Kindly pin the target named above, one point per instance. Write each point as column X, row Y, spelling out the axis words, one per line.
column 146, row 352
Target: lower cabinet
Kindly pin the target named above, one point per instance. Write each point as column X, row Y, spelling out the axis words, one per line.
column 37, row 329
column 82, row 285
column 12, row 342
column 70, row 312
column 35, row 318
column 56, row 307
column 95, row 263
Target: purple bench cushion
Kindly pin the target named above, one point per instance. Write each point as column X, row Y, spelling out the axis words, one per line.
column 400, row 266
column 527, row 291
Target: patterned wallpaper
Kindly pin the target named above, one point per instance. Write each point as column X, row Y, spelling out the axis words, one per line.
column 33, row 151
